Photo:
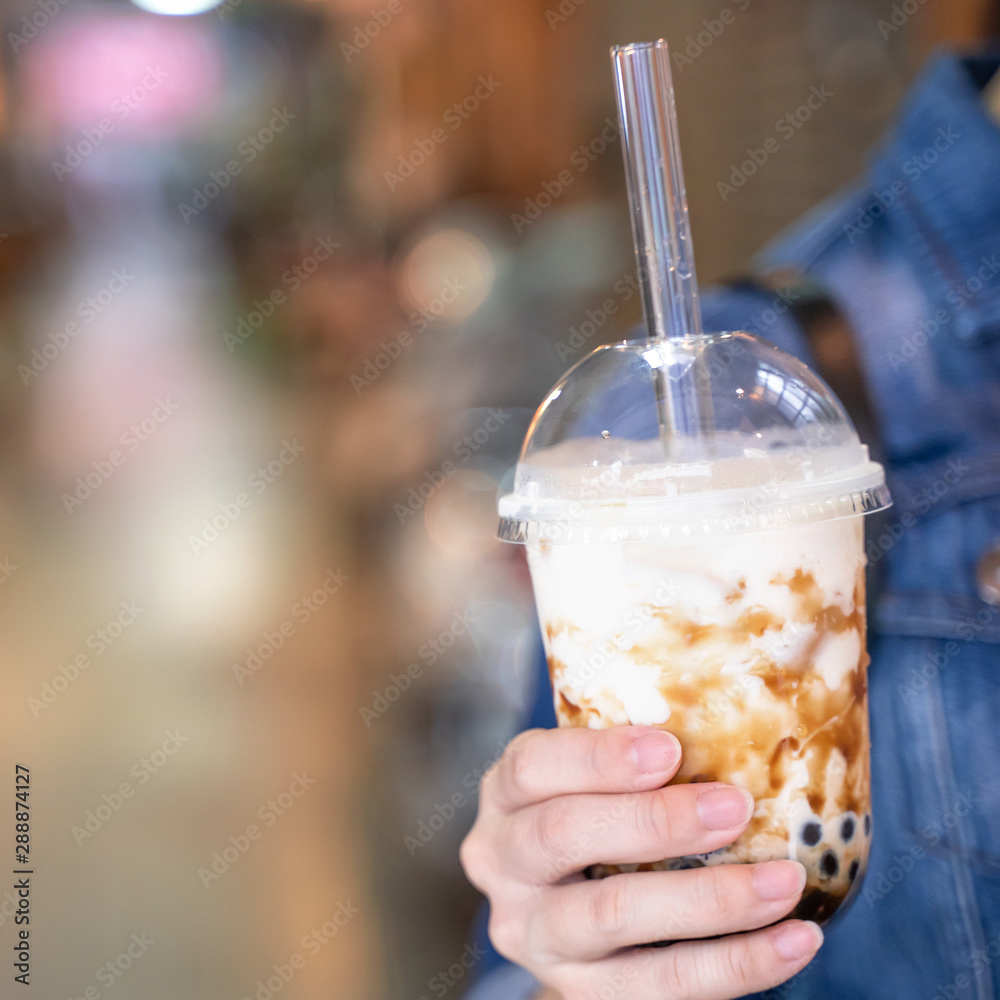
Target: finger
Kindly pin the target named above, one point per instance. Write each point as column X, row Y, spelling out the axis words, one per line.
column 703, row 970
column 591, row 919
column 542, row 844
column 543, row 763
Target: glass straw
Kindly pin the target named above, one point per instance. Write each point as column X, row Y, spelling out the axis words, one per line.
column 660, row 225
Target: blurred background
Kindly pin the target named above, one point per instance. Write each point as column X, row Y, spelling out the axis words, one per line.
column 281, row 284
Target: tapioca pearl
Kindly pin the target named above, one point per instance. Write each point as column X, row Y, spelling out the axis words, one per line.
column 811, row 832
column 852, row 872
column 706, row 858
column 683, row 864
column 829, row 864
column 868, row 824
column 848, row 827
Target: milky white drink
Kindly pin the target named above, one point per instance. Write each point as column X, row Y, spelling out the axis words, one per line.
column 750, row 648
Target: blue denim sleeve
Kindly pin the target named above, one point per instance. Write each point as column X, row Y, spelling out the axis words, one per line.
column 508, row 982
column 758, row 311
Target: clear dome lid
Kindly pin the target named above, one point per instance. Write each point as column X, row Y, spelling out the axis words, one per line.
column 682, row 434
column 710, row 434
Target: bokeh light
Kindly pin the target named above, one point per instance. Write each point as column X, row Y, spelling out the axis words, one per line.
column 448, row 274
column 177, row 7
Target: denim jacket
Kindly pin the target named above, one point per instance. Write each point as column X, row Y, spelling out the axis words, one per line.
column 911, row 255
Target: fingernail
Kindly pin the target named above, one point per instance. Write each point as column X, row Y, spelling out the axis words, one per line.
column 795, row 941
column 655, row 752
column 724, row 808
column 779, row 879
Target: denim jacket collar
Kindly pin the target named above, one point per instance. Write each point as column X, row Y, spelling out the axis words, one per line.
column 938, row 180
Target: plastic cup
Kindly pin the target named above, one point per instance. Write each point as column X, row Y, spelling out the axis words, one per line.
column 720, row 596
